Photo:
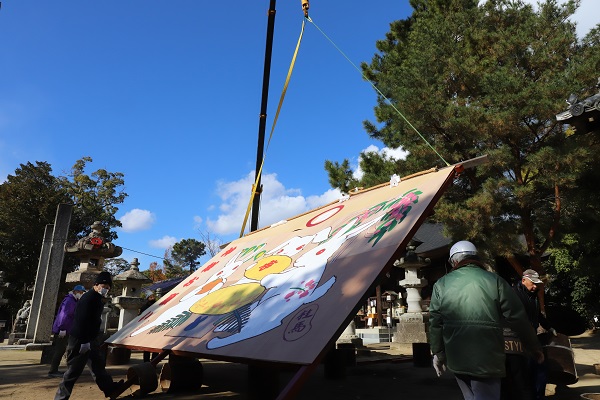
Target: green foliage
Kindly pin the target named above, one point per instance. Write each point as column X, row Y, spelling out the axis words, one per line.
column 116, row 266
column 28, row 202
column 95, row 198
column 477, row 80
column 171, row 267
column 187, row 252
column 490, row 79
column 573, row 266
column 340, row 175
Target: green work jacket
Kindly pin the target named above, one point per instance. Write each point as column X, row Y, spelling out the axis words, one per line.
column 468, row 309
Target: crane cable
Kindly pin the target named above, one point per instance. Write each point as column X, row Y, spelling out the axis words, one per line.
column 285, row 86
column 305, row 7
column 378, row 91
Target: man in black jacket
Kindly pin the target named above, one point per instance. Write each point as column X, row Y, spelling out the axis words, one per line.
column 527, row 290
column 84, row 343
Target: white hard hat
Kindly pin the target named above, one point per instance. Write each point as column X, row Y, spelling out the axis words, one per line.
column 463, row 247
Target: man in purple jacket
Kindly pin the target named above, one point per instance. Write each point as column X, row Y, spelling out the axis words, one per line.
column 61, row 328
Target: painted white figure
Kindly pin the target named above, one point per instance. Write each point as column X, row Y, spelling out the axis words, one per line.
column 289, row 290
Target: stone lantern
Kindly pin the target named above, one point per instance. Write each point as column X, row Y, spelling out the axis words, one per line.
column 130, row 301
column 91, row 250
column 411, row 263
column 413, row 324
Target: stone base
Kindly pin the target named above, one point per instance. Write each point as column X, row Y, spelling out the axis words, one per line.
column 23, row 342
column 412, row 328
column 354, row 340
column 13, row 338
column 37, row 347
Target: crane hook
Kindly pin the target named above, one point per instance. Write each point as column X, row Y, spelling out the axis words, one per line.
column 305, row 7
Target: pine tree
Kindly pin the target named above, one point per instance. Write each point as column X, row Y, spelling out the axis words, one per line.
column 478, row 80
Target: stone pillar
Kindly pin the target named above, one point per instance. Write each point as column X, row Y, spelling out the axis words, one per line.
column 40, row 282
column 3, row 301
column 52, row 280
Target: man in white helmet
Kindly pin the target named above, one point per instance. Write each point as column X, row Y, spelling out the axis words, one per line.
column 468, row 309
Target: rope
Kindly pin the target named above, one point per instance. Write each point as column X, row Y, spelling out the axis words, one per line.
column 378, row 91
column 285, row 86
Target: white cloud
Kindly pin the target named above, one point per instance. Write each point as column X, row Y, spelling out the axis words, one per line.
column 586, row 16
column 277, row 203
column 163, row 243
column 395, row 154
column 318, row 200
column 137, row 220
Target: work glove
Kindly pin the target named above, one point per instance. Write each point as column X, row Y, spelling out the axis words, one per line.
column 553, row 331
column 62, row 334
column 85, row 347
column 439, row 363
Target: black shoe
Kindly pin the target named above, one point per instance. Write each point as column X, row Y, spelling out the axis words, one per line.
column 117, row 389
column 55, row 374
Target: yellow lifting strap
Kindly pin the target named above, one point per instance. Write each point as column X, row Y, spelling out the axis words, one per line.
column 285, row 86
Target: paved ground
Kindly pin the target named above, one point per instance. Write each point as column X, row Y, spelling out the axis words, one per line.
column 384, row 375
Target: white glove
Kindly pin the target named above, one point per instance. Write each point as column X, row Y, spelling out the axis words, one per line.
column 62, row 334
column 439, row 363
column 85, row 347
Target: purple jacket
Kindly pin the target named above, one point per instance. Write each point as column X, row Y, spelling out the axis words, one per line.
column 66, row 314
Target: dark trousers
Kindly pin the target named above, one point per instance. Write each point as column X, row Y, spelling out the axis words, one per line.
column 76, row 363
column 539, row 375
column 60, row 346
column 517, row 385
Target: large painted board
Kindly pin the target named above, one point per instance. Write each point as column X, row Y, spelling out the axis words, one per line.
column 280, row 294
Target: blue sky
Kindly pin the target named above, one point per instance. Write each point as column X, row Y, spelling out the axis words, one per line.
column 169, row 94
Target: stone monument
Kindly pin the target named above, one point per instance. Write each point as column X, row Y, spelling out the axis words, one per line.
column 20, row 325
column 47, row 281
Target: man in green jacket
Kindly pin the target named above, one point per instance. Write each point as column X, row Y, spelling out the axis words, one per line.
column 468, row 309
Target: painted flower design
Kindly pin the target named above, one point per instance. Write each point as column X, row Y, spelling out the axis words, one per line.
column 395, row 215
column 303, row 290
